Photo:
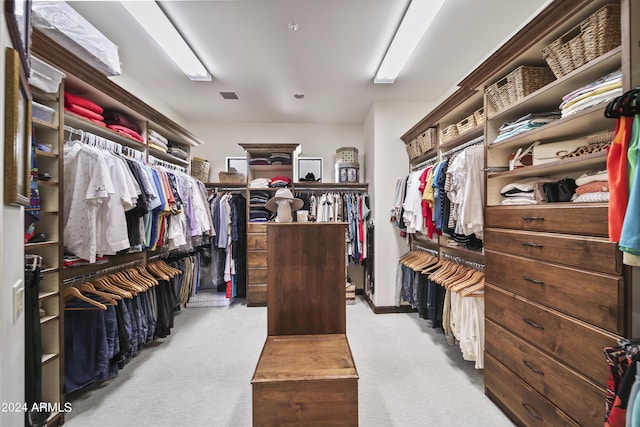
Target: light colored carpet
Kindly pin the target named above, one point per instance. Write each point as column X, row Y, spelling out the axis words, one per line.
column 200, row 375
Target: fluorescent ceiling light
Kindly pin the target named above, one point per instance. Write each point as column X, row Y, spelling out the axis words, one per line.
column 414, row 25
column 155, row 22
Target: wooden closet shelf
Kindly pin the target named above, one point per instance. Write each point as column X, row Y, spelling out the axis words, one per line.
column 40, row 95
column 40, row 244
column 572, row 164
column 46, row 154
column 43, row 124
column 79, row 122
column 166, row 156
column 45, row 295
column 48, row 357
column 47, row 319
column 465, row 137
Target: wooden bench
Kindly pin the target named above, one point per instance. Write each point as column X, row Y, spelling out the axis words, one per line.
column 306, row 374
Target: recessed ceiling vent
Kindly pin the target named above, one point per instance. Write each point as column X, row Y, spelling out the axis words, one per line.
column 229, row 95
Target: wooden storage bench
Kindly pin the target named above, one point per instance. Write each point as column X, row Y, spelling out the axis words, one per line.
column 305, row 380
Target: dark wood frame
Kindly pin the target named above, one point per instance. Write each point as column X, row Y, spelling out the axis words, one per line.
column 17, row 132
column 20, row 25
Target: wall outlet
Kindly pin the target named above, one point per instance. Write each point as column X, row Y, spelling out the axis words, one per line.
column 18, row 300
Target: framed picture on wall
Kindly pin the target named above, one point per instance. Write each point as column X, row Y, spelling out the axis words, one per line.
column 18, row 16
column 310, row 169
column 237, row 163
column 17, row 132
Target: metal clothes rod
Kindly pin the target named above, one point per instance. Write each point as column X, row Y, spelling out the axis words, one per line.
column 156, row 161
column 331, row 190
column 477, row 141
column 103, row 272
column 464, row 262
column 159, row 256
column 423, row 249
column 425, row 163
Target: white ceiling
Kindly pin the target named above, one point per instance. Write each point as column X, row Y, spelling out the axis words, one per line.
column 332, row 58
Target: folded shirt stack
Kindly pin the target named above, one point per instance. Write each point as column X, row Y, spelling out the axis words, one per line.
column 259, row 198
column 122, row 124
column 177, row 152
column 260, row 183
column 526, row 123
column 259, row 161
column 158, row 139
column 523, row 191
column 84, row 108
column 280, row 182
column 602, row 90
column 280, row 159
column 259, row 215
column 593, row 186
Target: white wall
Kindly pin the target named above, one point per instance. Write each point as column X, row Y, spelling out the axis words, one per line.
column 12, row 349
column 317, row 139
column 384, row 126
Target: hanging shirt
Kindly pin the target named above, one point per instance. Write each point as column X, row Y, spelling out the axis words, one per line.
column 617, row 170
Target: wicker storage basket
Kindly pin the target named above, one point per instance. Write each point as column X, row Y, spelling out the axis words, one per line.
column 200, row 169
column 479, row 116
column 427, row 140
column 449, row 133
column 517, row 84
column 347, row 154
column 466, row 124
column 606, row 136
column 413, row 149
column 594, row 36
column 231, row 178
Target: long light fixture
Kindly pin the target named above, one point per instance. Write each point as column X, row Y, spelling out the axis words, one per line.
column 155, row 22
column 415, row 22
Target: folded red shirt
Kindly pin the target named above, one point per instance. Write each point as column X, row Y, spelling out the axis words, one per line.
column 112, row 117
column 81, row 111
column 126, row 131
column 70, row 98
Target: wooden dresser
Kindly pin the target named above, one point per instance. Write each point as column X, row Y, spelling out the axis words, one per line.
column 306, row 374
column 555, row 297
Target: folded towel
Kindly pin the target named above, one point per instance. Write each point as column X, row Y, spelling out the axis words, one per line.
column 84, row 112
column 70, row 98
column 126, row 132
column 112, row 117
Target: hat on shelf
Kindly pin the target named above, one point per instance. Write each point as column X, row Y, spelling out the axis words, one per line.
column 310, row 177
column 284, row 194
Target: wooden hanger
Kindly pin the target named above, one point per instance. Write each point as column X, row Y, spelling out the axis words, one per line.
column 473, row 290
column 153, row 269
column 90, row 289
column 102, row 283
column 71, row 293
column 145, row 273
column 475, row 278
column 168, row 269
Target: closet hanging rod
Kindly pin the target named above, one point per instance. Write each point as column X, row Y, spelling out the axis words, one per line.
column 425, row 163
column 156, row 161
column 329, row 189
column 159, row 256
column 423, row 249
column 463, row 262
column 102, row 272
column 476, row 141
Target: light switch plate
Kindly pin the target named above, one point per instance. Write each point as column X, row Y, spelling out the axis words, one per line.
column 18, row 300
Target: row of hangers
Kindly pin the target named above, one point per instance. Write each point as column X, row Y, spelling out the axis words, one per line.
column 624, row 105
column 453, row 276
column 102, row 291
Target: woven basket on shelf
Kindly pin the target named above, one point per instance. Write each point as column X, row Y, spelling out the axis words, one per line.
column 466, row 124
column 593, row 37
column 200, row 169
column 479, row 116
column 427, row 140
column 605, row 136
column 413, row 149
column 231, row 178
column 517, row 84
column 347, row 154
column 449, row 133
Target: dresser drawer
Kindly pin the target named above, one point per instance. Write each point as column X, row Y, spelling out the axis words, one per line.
column 583, row 219
column 256, row 295
column 596, row 298
column 591, row 253
column 256, row 276
column 575, row 343
column 547, row 376
column 256, row 227
column 257, row 241
column 530, row 407
column 257, row 259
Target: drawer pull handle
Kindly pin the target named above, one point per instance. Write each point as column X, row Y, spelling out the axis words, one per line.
column 529, row 279
column 531, row 412
column 532, row 323
column 530, row 366
column 533, row 218
column 531, row 245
